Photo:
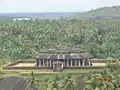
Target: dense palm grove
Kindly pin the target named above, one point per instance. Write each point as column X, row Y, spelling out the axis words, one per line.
column 59, row 82
column 24, row 39
column 111, row 72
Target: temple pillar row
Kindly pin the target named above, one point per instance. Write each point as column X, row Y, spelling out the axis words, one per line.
column 39, row 62
column 67, row 62
column 83, row 62
column 79, row 62
column 71, row 62
column 47, row 62
column 50, row 63
column 43, row 63
column 89, row 61
column 75, row 62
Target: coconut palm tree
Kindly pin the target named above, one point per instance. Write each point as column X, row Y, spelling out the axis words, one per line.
column 55, row 84
column 69, row 82
column 46, row 84
column 108, row 73
column 33, row 83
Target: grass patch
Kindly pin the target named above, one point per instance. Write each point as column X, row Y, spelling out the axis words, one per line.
column 28, row 71
column 43, row 77
column 81, row 70
column 99, row 64
column 73, row 71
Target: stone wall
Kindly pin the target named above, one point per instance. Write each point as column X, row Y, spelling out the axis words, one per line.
column 12, row 67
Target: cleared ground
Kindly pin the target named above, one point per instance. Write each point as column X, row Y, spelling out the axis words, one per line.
column 98, row 64
column 50, row 71
column 24, row 65
column 33, row 64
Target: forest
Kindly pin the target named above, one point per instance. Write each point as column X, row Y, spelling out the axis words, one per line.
column 25, row 39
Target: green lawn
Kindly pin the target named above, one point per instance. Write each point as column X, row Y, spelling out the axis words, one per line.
column 42, row 76
column 45, row 73
column 50, row 71
column 81, row 70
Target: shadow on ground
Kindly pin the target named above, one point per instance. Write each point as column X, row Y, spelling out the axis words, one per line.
column 14, row 83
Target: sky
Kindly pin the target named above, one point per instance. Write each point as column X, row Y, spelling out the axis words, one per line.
column 13, row 6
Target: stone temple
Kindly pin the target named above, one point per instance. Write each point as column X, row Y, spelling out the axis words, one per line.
column 61, row 59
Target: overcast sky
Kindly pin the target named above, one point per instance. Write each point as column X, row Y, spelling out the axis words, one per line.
column 53, row 5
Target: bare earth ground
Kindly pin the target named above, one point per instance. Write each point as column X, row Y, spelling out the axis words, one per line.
column 33, row 64
column 50, row 71
column 98, row 64
column 25, row 65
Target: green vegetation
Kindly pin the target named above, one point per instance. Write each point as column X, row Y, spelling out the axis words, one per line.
column 24, row 39
column 112, row 72
column 105, row 13
column 57, row 82
column 75, row 71
column 67, row 81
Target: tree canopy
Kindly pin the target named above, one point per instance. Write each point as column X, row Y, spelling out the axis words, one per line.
column 24, row 39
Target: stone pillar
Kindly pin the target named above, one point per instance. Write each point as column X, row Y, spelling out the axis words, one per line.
column 50, row 63
column 53, row 66
column 43, row 62
column 71, row 62
column 37, row 61
column 62, row 66
column 47, row 62
column 40, row 62
column 67, row 63
column 58, row 56
column 75, row 62
column 64, row 61
column 89, row 61
column 63, row 57
column 79, row 62
column 83, row 62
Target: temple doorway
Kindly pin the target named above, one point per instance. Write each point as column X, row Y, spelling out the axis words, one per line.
column 58, row 66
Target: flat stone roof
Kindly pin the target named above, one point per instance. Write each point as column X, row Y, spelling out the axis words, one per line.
column 64, row 54
column 62, row 51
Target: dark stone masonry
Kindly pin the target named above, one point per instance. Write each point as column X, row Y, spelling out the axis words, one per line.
column 60, row 59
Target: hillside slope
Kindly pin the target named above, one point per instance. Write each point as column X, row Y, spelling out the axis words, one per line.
column 5, row 18
column 101, row 13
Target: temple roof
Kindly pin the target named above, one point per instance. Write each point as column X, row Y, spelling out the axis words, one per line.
column 58, row 62
column 62, row 51
column 64, row 54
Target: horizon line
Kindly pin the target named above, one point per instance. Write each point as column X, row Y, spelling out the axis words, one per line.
column 42, row 12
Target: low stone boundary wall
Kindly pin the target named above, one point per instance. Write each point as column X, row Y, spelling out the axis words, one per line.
column 102, row 61
column 21, row 61
column 86, row 67
column 12, row 67
column 25, row 68
column 38, row 68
